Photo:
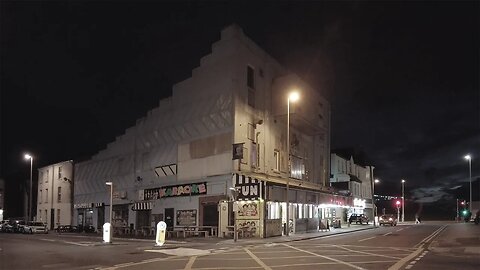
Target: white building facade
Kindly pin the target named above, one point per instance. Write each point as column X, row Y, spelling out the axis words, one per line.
column 176, row 163
column 54, row 200
column 355, row 179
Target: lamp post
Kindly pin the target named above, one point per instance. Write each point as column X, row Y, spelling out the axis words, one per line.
column 27, row 156
column 111, row 207
column 235, row 210
column 469, row 158
column 398, row 210
column 373, row 202
column 293, row 96
column 403, row 200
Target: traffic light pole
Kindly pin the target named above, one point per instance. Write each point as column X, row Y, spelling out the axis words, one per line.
column 458, row 217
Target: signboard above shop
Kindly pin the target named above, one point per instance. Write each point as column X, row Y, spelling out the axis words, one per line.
column 174, row 191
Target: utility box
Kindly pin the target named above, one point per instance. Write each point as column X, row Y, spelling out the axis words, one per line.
column 107, row 233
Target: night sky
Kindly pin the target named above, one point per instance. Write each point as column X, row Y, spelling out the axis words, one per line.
column 402, row 79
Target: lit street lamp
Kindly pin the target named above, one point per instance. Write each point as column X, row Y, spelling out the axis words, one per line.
column 293, row 96
column 398, row 210
column 469, row 158
column 27, row 156
column 403, row 200
column 373, row 201
column 111, row 207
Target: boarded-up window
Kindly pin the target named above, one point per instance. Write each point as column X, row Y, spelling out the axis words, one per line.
column 210, row 146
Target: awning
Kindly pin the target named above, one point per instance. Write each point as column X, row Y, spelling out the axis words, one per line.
column 142, row 206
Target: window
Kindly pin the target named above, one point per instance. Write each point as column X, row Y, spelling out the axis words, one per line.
column 40, row 196
column 46, row 177
column 251, row 86
column 58, row 216
column 250, row 77
column 60, row 172
column 59, row 195
column 276, row 159
column 46, row 195
column 41, row 177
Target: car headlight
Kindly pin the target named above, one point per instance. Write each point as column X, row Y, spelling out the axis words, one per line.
column 390, row 219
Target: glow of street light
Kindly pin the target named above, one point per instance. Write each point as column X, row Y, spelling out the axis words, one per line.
column 27, row 156
column 108, row 183
column 377, row 181
column 293, row 96
column 403, row 181
column 467, row 157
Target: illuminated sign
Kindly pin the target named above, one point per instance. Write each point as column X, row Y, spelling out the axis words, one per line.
column 175, row 191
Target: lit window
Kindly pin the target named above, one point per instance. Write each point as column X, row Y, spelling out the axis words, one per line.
column 276, row 158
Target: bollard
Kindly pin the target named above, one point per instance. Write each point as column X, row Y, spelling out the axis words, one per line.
column 107, row 233
column 160, row 236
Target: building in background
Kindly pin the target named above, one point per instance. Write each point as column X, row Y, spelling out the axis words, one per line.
column 352, row 178
column 176, row 163
column 54, row 200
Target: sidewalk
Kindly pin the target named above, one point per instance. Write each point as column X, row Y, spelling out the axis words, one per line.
column 242, row 241
column 294, row 237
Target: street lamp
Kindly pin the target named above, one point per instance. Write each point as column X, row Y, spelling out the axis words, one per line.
column 373, row 201
column 27, row 156
column 398, row 210
column 293, row 96
column 403, row 200
column 235, row 210
column 111, row 206
column 469, row 158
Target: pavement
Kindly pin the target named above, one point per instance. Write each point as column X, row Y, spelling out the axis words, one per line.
column 245, row 241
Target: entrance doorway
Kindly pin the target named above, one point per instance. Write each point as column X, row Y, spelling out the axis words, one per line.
column 169, row 215
column 210, row 214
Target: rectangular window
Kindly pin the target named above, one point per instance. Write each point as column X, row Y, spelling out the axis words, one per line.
column 59, row 195
column 40, row 196
column 46, row 195
column 40, row 177
column 46, row 177
column 58, row 216
column 250, row 77
column 276, row 159
column 60, row 172
column 251, row 86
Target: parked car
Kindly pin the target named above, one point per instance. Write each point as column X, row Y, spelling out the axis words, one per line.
column 3, row 225
column 388, row 219
column 18, row 226
column 358, row 218
column 35, row 227
column 66, row 228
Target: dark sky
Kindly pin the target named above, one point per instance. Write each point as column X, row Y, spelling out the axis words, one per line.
column 402, row 77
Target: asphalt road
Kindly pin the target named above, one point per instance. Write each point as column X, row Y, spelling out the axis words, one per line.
column 426, row 246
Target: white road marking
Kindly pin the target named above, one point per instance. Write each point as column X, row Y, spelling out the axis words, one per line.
column 190, row 263
column 400, row 263
column 78, row 244
column 325, row 257
column 399, row 230
column 266, row 267
column 365, row 239
column 408, row 266
column 49, row 240
column 368, row 253
column 387, row 234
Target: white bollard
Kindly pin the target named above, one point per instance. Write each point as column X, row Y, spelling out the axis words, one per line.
column 107, row 233
column 160, row 236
